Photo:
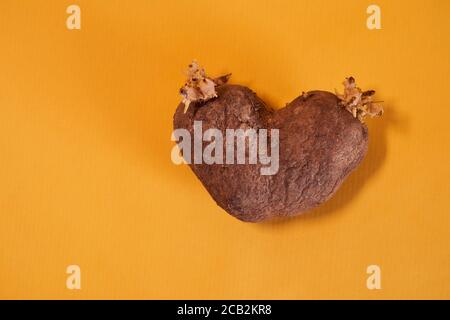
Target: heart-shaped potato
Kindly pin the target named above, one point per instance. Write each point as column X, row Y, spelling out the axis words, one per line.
column 320, row 143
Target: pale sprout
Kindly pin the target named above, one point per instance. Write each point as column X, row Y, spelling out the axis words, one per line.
column 359, row 103
column 198, row 86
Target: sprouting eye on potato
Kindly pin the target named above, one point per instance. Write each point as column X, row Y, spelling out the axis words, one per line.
column 258, row 163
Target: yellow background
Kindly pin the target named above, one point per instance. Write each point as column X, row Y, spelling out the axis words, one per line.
column 85, row 170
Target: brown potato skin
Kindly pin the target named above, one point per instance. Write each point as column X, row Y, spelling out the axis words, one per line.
column 320, row 145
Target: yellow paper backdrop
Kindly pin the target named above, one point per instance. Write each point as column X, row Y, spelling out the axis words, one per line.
column 85, row 170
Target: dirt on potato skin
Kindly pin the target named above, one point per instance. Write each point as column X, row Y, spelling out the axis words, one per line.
column 321, row 143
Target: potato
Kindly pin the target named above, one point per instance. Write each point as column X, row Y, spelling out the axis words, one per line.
column 321, row 141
